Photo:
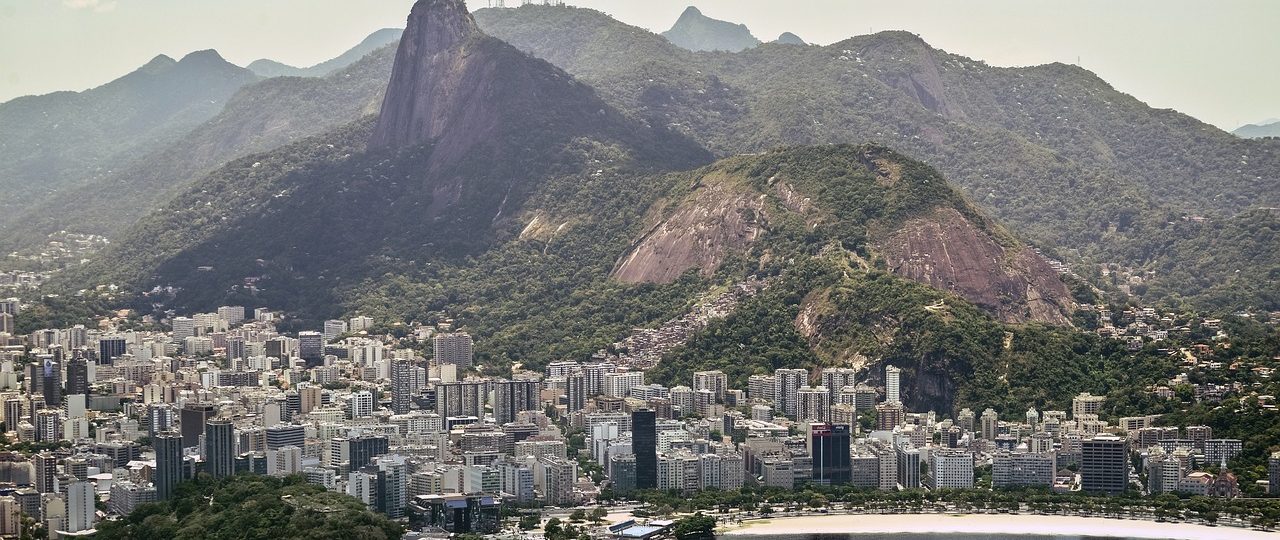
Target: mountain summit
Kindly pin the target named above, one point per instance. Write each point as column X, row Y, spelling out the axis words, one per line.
column 698, row 32
column 422, row 99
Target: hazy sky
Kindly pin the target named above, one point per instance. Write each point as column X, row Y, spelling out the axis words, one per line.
column 1214, row 59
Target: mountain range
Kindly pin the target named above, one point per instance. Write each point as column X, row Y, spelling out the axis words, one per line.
column 377, row 40
column 1265, row 128
column 552, row 178
column 52, row 142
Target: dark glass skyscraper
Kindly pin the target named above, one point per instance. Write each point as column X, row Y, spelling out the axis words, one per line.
column 829, row 448
column 193, row 418
column 644, row 443
column 169, row 467
column 78, row 375
column 219, row 448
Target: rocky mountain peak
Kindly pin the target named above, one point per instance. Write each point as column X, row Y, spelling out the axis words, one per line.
column 426, row 94
column 436, row 26
column 697, row 32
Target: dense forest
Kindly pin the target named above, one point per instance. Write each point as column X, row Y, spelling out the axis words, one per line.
column 250, row 507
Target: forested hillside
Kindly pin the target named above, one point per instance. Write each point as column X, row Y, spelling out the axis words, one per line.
column 1053, row 150
column 56, row 141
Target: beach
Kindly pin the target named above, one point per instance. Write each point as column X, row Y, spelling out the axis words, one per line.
column 1009, row 524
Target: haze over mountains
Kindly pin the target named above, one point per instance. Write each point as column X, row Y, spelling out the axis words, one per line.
column 270, row 68
column 1265, row 128
column 557, row 168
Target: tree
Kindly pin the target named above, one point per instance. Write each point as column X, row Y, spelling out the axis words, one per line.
column 598, row 514
column 528, row 522
column 695, row 527
column 578, row 516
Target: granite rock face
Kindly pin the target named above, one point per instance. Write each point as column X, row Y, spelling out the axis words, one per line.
column 438, row 84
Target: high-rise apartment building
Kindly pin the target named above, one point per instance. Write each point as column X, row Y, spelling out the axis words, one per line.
column 453, row 348
column 513, row 397
column 715, row 381
column 786, row 382
column 892, row 384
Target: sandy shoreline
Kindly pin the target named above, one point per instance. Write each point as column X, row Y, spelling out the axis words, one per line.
column 992, row 524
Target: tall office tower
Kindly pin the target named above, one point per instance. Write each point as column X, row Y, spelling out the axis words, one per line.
column 361, row 404
column 219, row 448
column 1086, row 404
column 81, row 514
column 463, row 398
column 576, row 391
column 454, row 348
column 829, row 449
column 512, row 397
column 620, row 384
column 715, row 381
column 892, row 384
column 78, row 375
column 10, row 306
column 836, row 379
column 595, row 376
column 334, row 328
column 192, row 420
column 1104, row 464
column 814, row 404
column 183, row 328
column 169, row 466
column 990, row 425
column 51, row 381
column 908, row 465
column 6, row 323
column 46, row 465
column 402, row 383
column 311, row 347
column 644, row 444
column 111, row 348
column 786, row 382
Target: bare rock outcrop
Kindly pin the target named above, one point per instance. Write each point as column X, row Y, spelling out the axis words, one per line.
column 718, row 219
column 947, row 251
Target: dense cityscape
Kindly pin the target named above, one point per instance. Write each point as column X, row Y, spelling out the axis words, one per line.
column 606, row 269
column 102, row 420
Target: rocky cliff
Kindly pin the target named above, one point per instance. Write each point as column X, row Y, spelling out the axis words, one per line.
column 870, row 202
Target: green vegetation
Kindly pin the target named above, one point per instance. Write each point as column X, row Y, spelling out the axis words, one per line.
column 252, row 507
column 259, row 118
column 1052, row 150
column 65, row 139
column 695, row 527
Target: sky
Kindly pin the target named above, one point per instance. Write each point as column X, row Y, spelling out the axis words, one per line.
column 1213, row 59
